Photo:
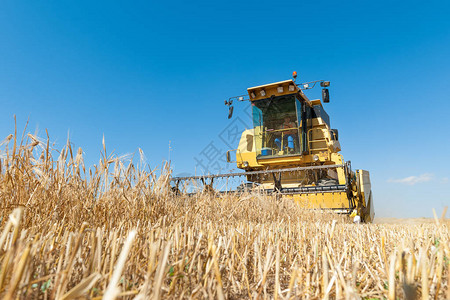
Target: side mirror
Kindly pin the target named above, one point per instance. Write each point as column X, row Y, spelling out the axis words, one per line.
column 325, row 84
column 230, row 108
column 230, row 112
column 228, row 156
column 335, row 134
column 325, row 95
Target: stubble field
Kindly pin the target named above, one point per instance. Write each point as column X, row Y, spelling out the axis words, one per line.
column 115, row 230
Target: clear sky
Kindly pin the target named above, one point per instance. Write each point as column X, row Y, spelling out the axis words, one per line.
column 144, row 73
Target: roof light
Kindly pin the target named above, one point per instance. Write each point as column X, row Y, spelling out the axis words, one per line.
column 291, row 88
column 263, row 93
column 294, row 74
column 252, row 94
column 280, row 89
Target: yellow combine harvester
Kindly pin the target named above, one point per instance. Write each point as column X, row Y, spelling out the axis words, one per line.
column 293, row 152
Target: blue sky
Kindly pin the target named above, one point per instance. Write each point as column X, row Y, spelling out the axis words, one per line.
column 144, row 73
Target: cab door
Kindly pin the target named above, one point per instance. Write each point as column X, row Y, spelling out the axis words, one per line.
column 302, row 130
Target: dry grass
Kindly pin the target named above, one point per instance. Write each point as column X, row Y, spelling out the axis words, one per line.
column 116, row 230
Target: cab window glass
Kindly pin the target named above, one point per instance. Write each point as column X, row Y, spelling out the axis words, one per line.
column 276, row 122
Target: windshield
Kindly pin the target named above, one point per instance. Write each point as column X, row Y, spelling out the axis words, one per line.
column 276, row 121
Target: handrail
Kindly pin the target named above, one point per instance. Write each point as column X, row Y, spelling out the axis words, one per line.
column 310, row 140
column 228, row 155
column 283, row 129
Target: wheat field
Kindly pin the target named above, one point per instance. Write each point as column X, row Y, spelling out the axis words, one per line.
column 116, row 231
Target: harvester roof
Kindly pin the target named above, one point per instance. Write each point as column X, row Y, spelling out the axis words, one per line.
column 280, row 88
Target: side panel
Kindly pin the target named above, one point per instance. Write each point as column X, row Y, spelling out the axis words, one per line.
column 364, row 179
column 365, row 188
column 371, row 213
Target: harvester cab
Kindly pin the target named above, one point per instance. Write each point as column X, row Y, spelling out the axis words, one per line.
column 293, row 151
column 287, row 126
